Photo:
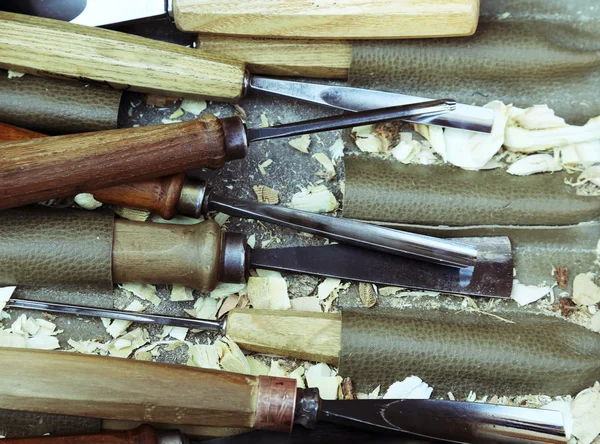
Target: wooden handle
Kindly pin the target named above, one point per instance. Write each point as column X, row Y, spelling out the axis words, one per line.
column 141, row 435
column 41, row 169
column 51, row 47
column 126, row 389
column 157, row 195
column 342, row 19
column 297, row 334
column 327, row 59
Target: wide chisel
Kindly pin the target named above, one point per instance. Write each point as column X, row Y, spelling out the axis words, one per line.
column 201, row 255
column 363, row 19
column 45, row 168
column 50, row 47
column 96, row 386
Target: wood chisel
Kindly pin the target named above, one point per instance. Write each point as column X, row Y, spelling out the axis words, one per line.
column 361, row 19
column 192, row 197
column 126, row 389
column 45, row 168
column 51, row 47
column 199, row 256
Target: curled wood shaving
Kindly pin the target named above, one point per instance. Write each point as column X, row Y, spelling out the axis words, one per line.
column 268, row 293
column 585, row 291
column 411, row 388
column 116, row 327
column 536, row 163
column 586, row 414
column 5, row 295
column 265, row 194
column 87, row 201
column 368, row 294
column 325, row 288
column 30, row 333
column 326, row 162
column 301, row 143
column 526, row 294
column 315, row 199
column 228, row 304
column 193, row 106
column 142, row 291
column 123, row 346
column 204, row 308
column 232, row 358
column 224, row 290
column 325, row 379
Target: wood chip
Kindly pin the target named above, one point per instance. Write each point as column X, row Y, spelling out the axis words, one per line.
column 312, row 304
column 337, row 150
column 5, row 295
column 315, row 199
column 193, row 106
column 204, row 356
column 264, row 122
column 181, row 293
column 87, row 201
column 301, row 143
column 266, row 195
column 368, row 294
column 325, row 379
column 527, row 294
column 257, row 367
column 586, row 414
column 204, row 308
column 228, row 304
column 326, row 162
column 117, row 327
column 123, row 346
column 142, row 291
column 232, row 358
column 221, row 218
column 585, row 291
column 411, row 388
column 534, row 164
column 132, row 214
column 224, row 290
column 268, row 293
column 177, row 114
column 262, row 167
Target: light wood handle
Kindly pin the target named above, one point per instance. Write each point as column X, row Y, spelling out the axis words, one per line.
column 41, row 169
column 113, row 388
column 328, row 59
column 297, row 334
column 141, row 435
column 51, row 47
column 342, row 19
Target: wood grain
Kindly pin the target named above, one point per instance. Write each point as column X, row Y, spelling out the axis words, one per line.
column 342, row 19
column 10, row 133
column 51, row 47
column 329, row 59
column 141, row 435
column 302, row 335
column 112, row 388
column 167, row 254
column 40, row 169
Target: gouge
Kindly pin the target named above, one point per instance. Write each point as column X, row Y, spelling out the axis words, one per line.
column 363, row 19
column 50, row 47
column 97, row 386
column 201, row 255
column 190, row 197
column 50, row 167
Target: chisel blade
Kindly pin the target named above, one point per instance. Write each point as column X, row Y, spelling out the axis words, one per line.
column 492, row 276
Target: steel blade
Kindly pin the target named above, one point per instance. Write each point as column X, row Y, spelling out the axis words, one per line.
column 463, row 422
column 467, row 117
column 492, row 276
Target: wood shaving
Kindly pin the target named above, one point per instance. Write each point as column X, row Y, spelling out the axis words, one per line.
column 232, row 358
column 325, row 379
column 276, row 370
column 117, row 327
column 177, row 220
column 411, row 388
column 368, row 294
column 204, row 308
column 373, row 395
column 169, row 121
column 268, row 293
column 595, row 322
column 224, row 290
column 87, row 201
column 262, row 167
column 15, row 74
column 348, row 393
column 585, row 291
column 586, row 154
column 536, row 163
column 251, row 241
column 325, row 288
column 228, row 304
column 5, row 295
column 204, row 356
column 181, row 293
column 193, row 106
column 306, row 304
column 586, row 415
column 132, row 214
column 301, row 143
column 264, row 122
column 177, row 114
column 322, row 158
column 123, row 346
column 263, row 273
column 266, row 195
column 221, row 218
column 146, row 292
column 88, row 347
column 337, row 150
column 240, row 112
column 527, row 294
column 178, row 333
column 30, row 333
column 257, row 367
column 298, row 374
column 315, row 199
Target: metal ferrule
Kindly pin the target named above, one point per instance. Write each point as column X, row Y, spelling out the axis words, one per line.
column 276, row 404
column 192, row 198
column 246, row 82
column 308, row 404
column 236, row 140
column 234, row 258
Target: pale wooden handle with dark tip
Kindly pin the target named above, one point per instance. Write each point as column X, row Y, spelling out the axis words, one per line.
column 126, row 389
column 344, row 19
column 51, row 47
column 40, row 169
column 296, row 334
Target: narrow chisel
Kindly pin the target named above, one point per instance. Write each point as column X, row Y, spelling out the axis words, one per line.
column 125, row 389
column 43, row 46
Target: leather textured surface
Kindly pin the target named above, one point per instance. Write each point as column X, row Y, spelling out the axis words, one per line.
column 388, row 191
column 15, row 424
column 47, row 247
column 523, row 52
column 55, row 106
column 460, row 352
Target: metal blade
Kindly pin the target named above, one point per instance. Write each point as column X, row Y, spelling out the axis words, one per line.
column 89, row 12
column 492, row 276
column 348, row 231
column 467, row 117
column 80, row 310
column 464, row 422
column 404, row 112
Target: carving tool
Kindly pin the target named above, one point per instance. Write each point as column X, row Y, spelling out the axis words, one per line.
column 139, row 64
column 40, row 169
column 176, row 194
column 201, row 255
column 362, row 19
column 97, row 386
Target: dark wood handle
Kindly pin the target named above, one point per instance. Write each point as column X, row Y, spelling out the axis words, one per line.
column 141, row 435
column 157, row 195
column 40, row 169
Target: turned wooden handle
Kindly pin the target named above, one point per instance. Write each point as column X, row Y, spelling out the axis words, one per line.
column 126, row 389
column 327, row 59
column 158, row 195
column 141, row 435
column 345, row 19
column 297, row 334
column 50, row 167
column 51, row 47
